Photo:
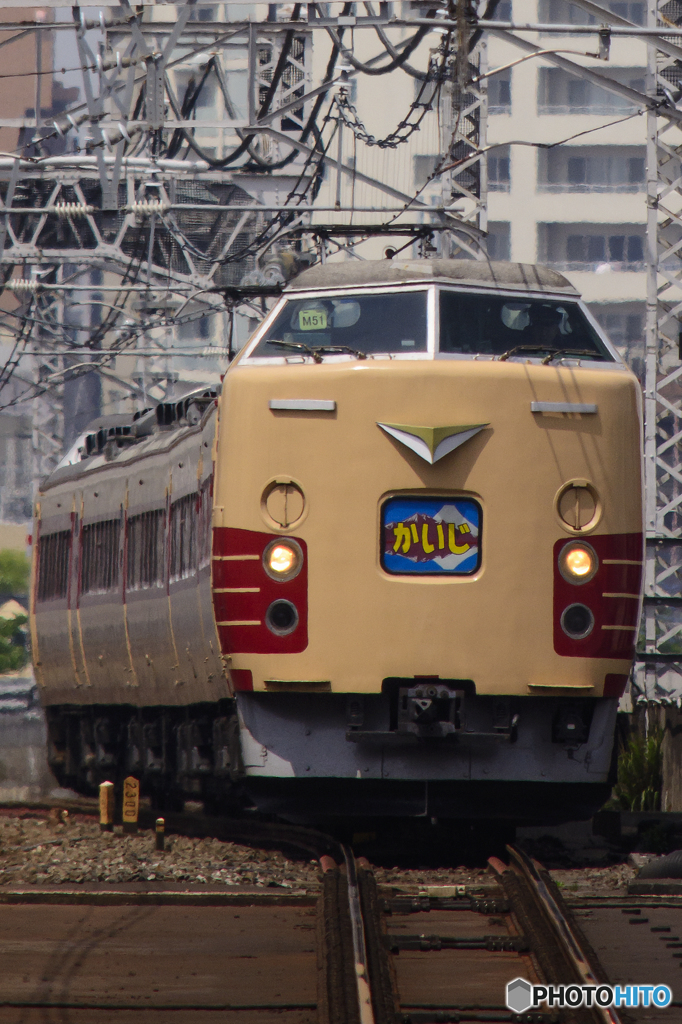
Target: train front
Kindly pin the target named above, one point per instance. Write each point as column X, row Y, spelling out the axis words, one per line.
column 427, row 547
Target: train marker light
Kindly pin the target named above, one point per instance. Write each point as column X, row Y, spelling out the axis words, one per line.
column 578, row 562
column 577, row 621
column 281, row 618
column 283, row 559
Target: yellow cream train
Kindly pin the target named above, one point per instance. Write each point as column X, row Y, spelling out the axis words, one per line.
column 394, row 568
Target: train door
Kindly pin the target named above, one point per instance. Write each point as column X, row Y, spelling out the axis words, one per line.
column 75, row 635
column 100, row 592
column 215, row 676
column 53, row 551
column 183, row 574
column 145, row 586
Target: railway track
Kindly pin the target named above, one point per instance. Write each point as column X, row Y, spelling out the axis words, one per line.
column 356, row 953
column 441, row 959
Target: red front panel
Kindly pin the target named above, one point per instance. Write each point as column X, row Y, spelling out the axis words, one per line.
column 243, row 592
column 616, row 615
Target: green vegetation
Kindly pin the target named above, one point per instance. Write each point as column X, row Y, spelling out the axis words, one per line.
column 639, row 782
column 14, row 574
column 13, row 653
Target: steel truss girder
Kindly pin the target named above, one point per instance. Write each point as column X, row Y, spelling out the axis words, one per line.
column 658, row 670
column 27, row 237
column 129, row 100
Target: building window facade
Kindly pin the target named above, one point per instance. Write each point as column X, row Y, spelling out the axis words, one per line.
column 624, row 323
column 16, row 459
column 499, row 240
column 499, row 176
column 599, row 247
column 563, row 13
column 499, row 91
column 562, row 93
column 592, row 169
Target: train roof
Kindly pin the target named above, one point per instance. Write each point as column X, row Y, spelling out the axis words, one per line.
column 126, row 437
column 478, row 274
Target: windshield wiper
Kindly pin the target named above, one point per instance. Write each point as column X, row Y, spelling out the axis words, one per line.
column 320, row 350
column 570, row 352
column 522, row 348
column 330, row 349
column 298, row 347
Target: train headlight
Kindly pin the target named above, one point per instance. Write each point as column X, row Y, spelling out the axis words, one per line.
column 283, row 559
column 578, row 562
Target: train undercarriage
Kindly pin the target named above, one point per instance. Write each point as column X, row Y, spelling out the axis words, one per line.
column 247, row 752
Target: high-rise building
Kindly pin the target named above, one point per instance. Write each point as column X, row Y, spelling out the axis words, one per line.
column 576, row 200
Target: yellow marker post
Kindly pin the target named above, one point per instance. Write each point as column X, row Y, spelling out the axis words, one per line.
column 160, row 833
column 106, row 806
column 131, row 804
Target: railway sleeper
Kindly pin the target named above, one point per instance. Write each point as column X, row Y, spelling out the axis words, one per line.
column 428, row 943
column 422, row 904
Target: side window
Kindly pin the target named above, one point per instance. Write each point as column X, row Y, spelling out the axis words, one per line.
column 145, row 540
column 54, row 550
column 100, row 567
column 183, row 536
column 205, row 520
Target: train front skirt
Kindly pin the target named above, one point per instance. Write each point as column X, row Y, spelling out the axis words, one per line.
column 551, row 759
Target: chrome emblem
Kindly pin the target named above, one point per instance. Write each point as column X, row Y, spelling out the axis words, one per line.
column 431, row 443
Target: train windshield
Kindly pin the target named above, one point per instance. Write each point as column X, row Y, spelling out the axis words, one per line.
column 509, row 327
column 360, row 325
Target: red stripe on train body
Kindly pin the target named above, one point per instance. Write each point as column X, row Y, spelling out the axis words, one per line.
column 241, row 616
column 611, row 595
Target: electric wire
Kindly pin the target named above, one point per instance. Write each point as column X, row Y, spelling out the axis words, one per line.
column 394, row 63
column 282, row 223
column 349, row 117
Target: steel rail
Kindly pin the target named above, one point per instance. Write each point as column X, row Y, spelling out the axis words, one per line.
column 362, row 980
column 564, row 931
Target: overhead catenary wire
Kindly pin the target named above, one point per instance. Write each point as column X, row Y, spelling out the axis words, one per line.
column 90, row 145
column 348, row 115
column 394, row 63
column 102, row 328
column 276, row 227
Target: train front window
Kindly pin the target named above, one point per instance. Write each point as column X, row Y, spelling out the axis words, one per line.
column 355, row 325
column 509, row 327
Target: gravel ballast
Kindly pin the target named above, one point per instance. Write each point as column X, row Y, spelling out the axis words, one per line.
column 46, row 851
column 40, row 849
